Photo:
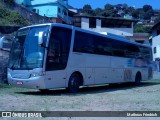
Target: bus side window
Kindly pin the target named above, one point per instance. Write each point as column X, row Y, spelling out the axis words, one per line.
column 54, row 51
column 58, row 48
column 132, row 51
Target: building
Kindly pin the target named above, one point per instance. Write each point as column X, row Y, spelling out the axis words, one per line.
column 140, row 38
column 156, row 42
column 156, row 50
column 24, row 2
column 104, row 25
column 57, row 10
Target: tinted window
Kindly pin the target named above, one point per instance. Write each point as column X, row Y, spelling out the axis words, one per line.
column 58, row 49
column 146, row 53
column 92, row 23
column 118, row 48
column 88, row 43
column 132, row 51
column 102, row 46
column 83, row 42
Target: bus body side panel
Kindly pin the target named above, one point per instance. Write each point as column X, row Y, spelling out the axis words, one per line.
column 117, row 69
column 55, row 79
column 58, row 78
column 94, row 68
column 101, row 66
column 77, row 63
column 145, row 74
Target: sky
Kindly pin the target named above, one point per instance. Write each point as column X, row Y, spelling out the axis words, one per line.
column 100, row 3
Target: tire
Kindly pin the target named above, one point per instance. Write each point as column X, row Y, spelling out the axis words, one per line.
column 138, row 79
column 74, row 83
column 43, row 90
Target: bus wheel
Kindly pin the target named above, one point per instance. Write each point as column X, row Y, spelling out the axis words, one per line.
column 138, row 79
column 43, row 90
column 73, row 84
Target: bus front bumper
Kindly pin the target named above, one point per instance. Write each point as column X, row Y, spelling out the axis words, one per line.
column 33, row 83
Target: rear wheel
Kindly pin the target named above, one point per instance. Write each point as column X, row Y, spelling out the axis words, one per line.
column 138, row 79
column 74, row 83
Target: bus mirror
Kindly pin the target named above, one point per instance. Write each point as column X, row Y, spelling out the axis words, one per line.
column 40, row 39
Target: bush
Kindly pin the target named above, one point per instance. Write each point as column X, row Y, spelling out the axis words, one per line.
column 9, row 17
column 9, row 2
column 142, row 29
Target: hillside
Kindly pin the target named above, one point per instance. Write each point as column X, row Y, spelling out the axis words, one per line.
column 15, row 14
column 9, row 17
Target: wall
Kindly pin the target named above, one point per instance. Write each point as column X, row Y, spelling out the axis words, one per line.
column 31, row 16
column 117, row 31
column 36, row 2
column 19, row 1
column 23, row 2
column 61, row 13
column 50, row 9
column 47, row 10
column 156, row 43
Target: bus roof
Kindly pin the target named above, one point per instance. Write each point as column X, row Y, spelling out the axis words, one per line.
column 108, row 35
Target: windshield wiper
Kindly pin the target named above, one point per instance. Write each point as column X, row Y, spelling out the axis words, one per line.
column 18, row 58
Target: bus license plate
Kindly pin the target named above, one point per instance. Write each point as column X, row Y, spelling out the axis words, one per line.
column 19, row 82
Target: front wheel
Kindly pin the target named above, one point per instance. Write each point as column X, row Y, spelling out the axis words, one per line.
column 73, row 84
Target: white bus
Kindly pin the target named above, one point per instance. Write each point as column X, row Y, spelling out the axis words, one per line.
column 49, row 56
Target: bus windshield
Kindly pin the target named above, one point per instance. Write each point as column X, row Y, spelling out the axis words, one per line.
column 25, row 52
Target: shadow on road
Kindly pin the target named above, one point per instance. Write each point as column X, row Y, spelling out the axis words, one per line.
column 91, row 89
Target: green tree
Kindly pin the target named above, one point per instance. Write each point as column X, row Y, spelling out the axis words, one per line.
column 157, row 19
column 147, row 8
column 9, row 17
column 98, row 12
column 141, row 29
column 9, row 2
column 147, row 15
column 138, row 13
column 87, row 7
column 109, row 11
column 87, row 10
column 147, row 12
column 108, row 7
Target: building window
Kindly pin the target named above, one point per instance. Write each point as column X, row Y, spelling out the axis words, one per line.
column 158, row 32
column 37, row 11
column 34, row 10
column 92, row 23
column 113, row 23
column 154, row 50
column 64, row 13
column 59, row 10
column 77, row 22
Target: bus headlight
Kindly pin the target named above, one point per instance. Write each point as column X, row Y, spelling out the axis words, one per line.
column 36, row 74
